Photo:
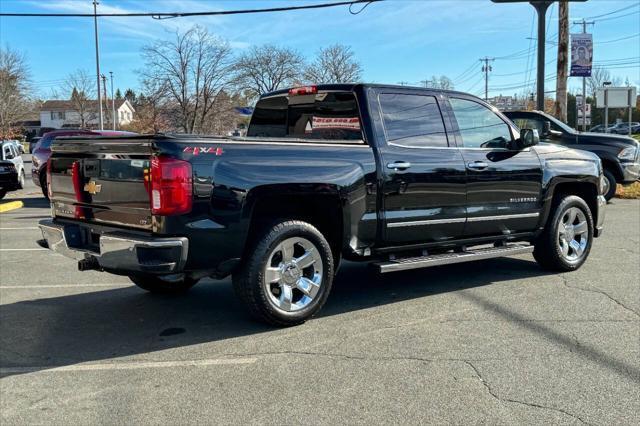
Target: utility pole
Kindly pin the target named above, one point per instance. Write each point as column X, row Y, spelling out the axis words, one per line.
column 113, row 102
column 563, row 53
column 485, row 69
column 584, row 80
column 95, row 27
column 106, row 98
column 426, row 83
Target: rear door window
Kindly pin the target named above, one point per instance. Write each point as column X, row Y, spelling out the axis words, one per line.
column 412, row 120
column 321, row 116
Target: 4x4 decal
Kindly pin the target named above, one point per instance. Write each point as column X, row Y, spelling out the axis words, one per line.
column 196, row 150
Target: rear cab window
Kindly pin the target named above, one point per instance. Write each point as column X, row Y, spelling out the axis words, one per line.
column 322, row 116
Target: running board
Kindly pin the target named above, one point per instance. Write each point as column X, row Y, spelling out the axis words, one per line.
column 450, row 258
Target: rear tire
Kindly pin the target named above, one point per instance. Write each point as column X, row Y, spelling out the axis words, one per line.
column 43, row 184
column 287, row 275
column 610, row 184
column 566, row 240
column 158, row 285
column 21, row 180
column 3, row 192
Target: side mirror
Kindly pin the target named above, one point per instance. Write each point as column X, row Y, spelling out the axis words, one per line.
column 528, row 137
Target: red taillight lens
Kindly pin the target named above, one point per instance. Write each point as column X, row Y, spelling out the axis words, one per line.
column 49, row 192
column 171, row 186
column 304, row 90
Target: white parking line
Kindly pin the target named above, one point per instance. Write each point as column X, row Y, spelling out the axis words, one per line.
column 134, row 365
column 65, row 286
column 27, row 249
column 15, row 229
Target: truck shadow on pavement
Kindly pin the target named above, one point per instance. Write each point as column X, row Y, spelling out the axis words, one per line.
column 39, row 334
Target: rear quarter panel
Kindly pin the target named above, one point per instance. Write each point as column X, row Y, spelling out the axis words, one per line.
column 230, row 177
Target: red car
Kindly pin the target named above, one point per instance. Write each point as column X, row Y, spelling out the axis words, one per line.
column 42, row 151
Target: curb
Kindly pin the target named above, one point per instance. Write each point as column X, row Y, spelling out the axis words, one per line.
column 11, row 205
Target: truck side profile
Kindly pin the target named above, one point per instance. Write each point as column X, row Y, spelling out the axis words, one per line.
column 401, row 177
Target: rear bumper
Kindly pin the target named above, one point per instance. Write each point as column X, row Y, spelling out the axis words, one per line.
column 116, row 252
column 600, row 214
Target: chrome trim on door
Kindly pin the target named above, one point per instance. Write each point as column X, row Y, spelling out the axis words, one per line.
column 502, row 217
column 425, row 222
column 462, row 219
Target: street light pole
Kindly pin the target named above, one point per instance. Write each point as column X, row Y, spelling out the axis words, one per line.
column 113, row 102
column 95, row 26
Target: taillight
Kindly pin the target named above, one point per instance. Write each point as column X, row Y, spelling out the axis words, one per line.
column 49, row 192
column 171, row 186
column 304, row 90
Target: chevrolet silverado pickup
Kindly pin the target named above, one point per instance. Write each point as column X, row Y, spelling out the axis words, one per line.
column 403, row 178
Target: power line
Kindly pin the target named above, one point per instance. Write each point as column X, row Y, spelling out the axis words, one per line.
column 169, row 15
column 612, row 12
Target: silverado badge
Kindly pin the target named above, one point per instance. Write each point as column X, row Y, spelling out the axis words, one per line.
column 92, row 187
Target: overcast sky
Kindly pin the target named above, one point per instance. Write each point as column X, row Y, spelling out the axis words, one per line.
column 396, row 40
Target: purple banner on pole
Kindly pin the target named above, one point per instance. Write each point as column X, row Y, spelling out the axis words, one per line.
column 581, row 55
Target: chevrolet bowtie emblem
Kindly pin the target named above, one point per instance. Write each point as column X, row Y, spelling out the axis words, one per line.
column 92, row 187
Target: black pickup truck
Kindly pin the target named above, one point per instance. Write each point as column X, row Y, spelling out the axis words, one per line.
column 402, row 177
column 620, row 155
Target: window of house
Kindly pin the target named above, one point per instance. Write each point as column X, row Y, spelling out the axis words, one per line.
column 412, row 120
column 57, row 115
column 479, row 126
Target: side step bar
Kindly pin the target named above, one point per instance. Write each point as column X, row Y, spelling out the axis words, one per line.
column 449, row 258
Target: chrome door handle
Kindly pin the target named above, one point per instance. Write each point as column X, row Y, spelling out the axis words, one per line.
column 399, row 165
column 477, row 165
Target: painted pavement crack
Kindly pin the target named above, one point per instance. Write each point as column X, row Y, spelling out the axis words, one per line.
column 597, row 290
column 515, row 401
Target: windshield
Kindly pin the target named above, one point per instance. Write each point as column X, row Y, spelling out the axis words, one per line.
column 325, row 116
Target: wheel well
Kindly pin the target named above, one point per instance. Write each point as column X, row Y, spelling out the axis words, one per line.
column 613, row 168
column 322, row 211
column 587, row 191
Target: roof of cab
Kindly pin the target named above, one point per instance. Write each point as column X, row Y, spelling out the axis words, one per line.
column 348, row 87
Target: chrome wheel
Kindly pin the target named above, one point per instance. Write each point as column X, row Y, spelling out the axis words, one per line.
column 606, row 184
column 293, row 274
column 573, row 234
column 21, row 180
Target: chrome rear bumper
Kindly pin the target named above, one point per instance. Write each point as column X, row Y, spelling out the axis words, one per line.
column 115, row 251
column 600, row 214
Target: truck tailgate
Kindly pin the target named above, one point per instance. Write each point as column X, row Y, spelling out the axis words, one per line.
column 102, row 180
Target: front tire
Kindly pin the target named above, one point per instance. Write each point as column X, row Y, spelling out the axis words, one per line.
column 288, row 274
column 609, row 184
column 159, row 285
column 3, row 192
column 21, row 180
column 565, row 243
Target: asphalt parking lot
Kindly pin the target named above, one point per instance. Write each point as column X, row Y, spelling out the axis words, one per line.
column 493, row 342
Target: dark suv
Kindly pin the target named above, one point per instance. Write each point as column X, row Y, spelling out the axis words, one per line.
column 620, row 155
column 42, row 151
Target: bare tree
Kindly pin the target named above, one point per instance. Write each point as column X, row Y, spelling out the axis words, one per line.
column 442, row 82
column 194, row 68
column 151, row 108
column 80, row 87
column 14, row 91
column 334, row 64
column 267, row 68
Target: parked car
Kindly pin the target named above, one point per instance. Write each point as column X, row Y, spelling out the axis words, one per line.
column 11, row 168
column 32, row 143
column 15, row 143
column 403, row 177
column 42, row 151
column 620, row 155
column 623, row 128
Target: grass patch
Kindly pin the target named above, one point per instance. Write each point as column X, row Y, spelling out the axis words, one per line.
column 630, row 192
